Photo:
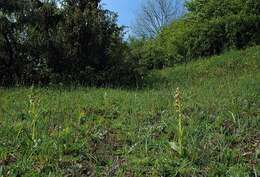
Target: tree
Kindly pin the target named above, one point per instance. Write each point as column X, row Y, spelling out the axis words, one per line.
column 91, row 37
column 44, row 41
column 10, row 13
column 202, row 10
column 155, row 14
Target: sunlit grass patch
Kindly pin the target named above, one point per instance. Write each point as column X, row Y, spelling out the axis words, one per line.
column 116, row 132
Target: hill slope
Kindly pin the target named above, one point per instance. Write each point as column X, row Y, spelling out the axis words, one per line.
column 114, row 132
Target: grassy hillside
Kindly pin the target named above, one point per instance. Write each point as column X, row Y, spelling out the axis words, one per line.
column 115, row 132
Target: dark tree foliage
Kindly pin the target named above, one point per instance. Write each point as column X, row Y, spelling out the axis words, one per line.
column 77, row 41
column 66, row 41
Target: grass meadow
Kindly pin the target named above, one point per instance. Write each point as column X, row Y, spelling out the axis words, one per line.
column 210, row 126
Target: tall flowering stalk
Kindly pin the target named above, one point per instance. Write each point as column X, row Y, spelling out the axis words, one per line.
column 33, row 113
column 178, row 108
column 178, row 146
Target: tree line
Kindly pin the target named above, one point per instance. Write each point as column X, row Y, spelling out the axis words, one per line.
column 208, row 27
column 78, row 41
column 70, row 41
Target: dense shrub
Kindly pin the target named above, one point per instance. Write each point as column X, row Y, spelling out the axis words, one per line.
column 171, row 39
column 218, row 25
column 147, row 53
column 215, row 36
column 209, row 28
column 79, row 42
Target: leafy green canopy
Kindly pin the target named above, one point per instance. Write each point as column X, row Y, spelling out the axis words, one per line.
column 50, row 41
column 210, row 27
column 209, row 9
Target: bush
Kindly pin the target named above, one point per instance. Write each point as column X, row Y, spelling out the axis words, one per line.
column 41, row 43
column 217, row 35
column 147, row 53
column 210, row 27
column 171, row 40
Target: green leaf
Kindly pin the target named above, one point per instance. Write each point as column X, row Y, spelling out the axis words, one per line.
column 175, row 146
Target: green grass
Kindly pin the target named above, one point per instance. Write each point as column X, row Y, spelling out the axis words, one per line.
column 116, row 132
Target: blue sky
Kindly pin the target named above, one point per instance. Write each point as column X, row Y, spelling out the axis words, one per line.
column 126, row 9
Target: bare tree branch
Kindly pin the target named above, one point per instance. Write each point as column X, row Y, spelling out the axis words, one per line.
column 155, row 14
